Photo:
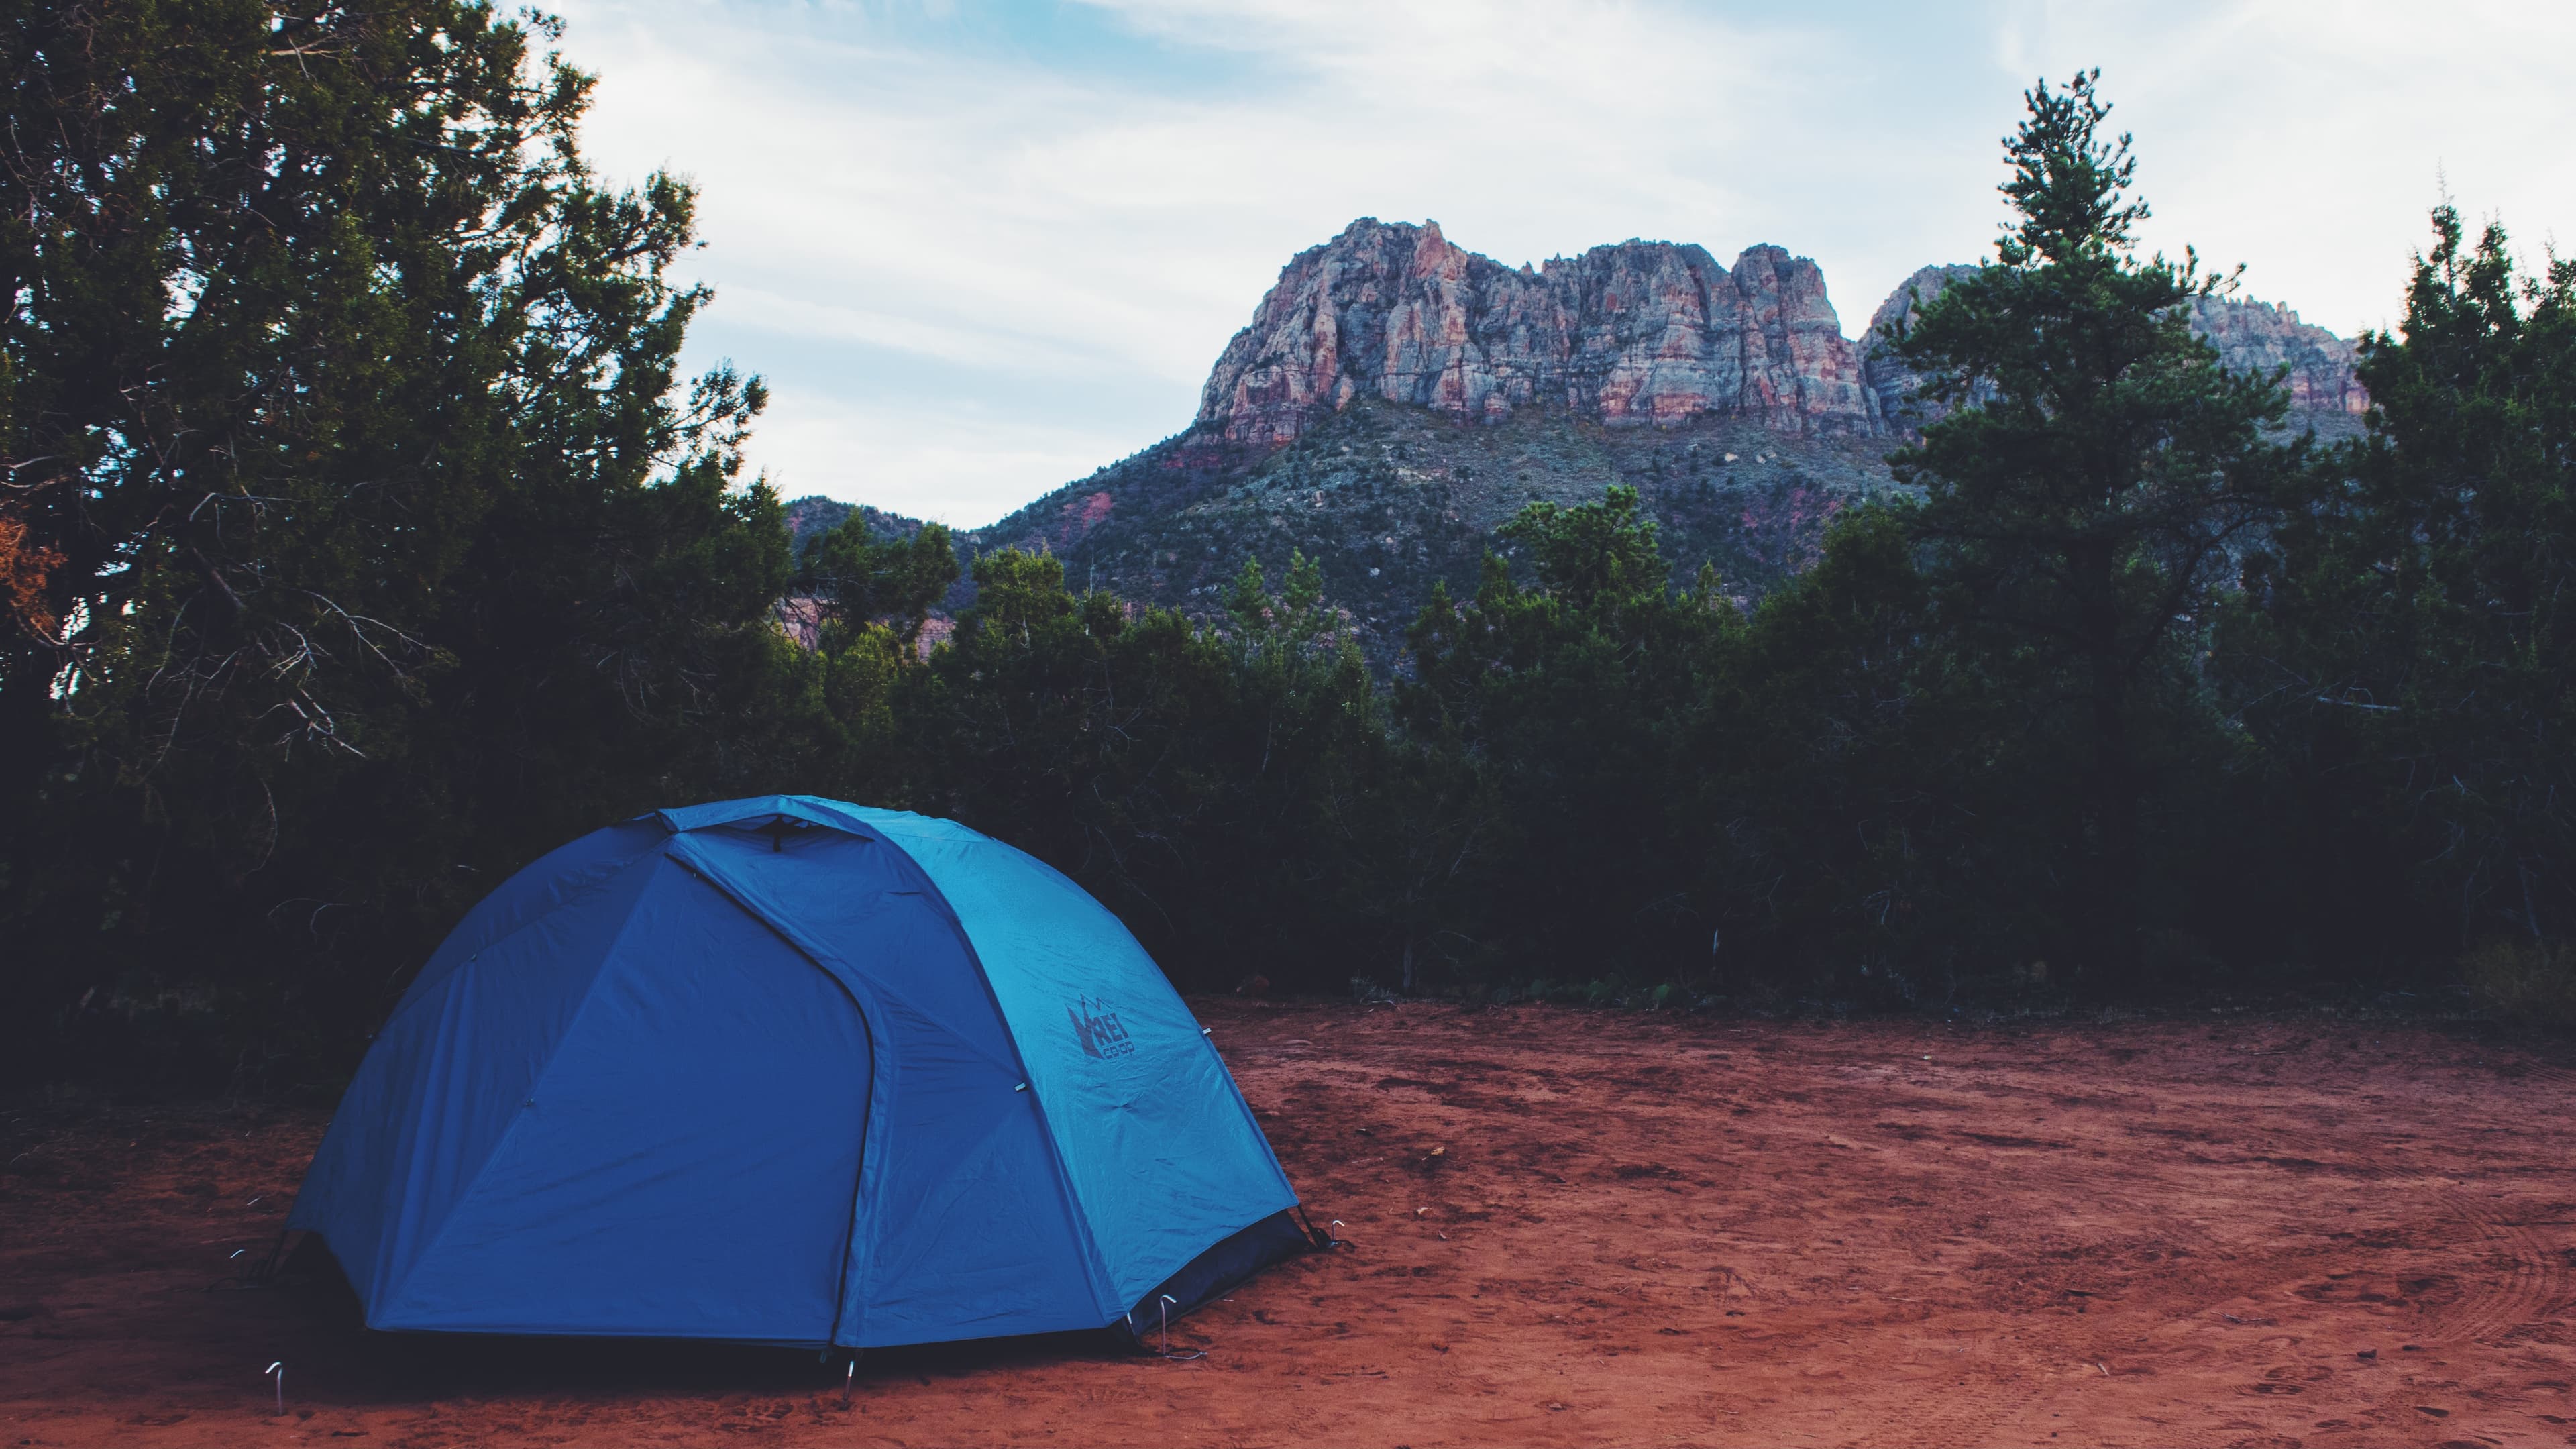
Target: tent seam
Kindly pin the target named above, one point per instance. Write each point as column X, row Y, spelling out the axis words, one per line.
column 1094, row 1265
column 880, row 1070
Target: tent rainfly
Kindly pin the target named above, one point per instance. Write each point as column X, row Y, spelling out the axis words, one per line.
column 788, row 1070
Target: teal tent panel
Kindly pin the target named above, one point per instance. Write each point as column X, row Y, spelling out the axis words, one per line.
column 967, row 1226
column 688, row 1163
column 1165, row 1158
column 974, row 1241
column 440, row 1086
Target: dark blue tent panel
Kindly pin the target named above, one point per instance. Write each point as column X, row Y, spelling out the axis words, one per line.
column 699, row 1089
column 788, row 1070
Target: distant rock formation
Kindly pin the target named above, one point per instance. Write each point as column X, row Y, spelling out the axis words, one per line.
column 1642, row 332
column 2258, row 337
column 1891, row 383
column 1637, row 333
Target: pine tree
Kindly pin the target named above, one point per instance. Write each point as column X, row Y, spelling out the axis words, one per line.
column 2089, row 469
column 2408, row 655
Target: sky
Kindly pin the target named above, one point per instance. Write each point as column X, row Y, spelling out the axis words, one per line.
column 980, row 249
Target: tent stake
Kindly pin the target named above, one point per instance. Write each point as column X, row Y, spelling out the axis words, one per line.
column 277, row 1371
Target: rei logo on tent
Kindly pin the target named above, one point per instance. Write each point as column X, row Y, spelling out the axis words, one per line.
column 1097, row 1028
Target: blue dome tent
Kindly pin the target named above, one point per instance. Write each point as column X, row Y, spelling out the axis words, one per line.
column 787, row 1070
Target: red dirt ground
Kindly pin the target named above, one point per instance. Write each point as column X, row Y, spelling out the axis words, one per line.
column 1564, row 1228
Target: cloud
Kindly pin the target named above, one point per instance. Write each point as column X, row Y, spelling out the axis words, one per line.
column 981, row 249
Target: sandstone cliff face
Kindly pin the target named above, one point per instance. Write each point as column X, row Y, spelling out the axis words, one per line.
column 1891, row 384
column 1641, row 332
column 2258, row 337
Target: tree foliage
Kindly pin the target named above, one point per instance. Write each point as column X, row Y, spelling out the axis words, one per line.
column 360, row 531
column 360, row 541
column 2406, row 649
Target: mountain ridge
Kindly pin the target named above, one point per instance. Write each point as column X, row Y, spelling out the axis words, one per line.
column 1395, row 398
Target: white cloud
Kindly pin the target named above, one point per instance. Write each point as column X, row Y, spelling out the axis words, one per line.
column 981, row 250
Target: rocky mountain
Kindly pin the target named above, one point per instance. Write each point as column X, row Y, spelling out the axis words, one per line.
column 1396, row 398
column 1641, row 332
column 2258, row 337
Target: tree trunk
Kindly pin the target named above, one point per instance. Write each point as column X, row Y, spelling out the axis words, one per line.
column 2116, row 814
column 2114, row 928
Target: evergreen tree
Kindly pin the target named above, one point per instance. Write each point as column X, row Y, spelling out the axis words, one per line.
column 361, row 539
column 2407, row 655
column 862, row 579
column 2088, row 472
column 1200, row 783
column 1567, row 700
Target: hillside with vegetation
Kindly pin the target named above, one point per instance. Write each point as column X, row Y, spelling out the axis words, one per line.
column 1730, row 401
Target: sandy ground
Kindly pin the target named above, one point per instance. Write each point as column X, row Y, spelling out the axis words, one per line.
column 1564, row 1228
